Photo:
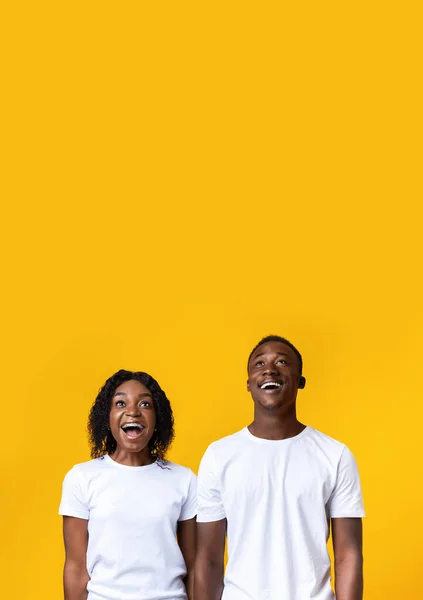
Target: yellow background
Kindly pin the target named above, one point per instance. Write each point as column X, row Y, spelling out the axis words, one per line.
column 180, row 179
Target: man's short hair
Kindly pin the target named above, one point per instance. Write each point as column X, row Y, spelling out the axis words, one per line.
column 277, row 338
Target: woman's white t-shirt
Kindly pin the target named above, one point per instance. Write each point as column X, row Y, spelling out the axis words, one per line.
column 278, row 497
column 132, row 515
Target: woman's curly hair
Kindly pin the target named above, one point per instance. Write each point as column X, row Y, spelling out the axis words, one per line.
column 101, row 438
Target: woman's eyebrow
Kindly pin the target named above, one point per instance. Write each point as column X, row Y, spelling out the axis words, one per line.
column 143, row 395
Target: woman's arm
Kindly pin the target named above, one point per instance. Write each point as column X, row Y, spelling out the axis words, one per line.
column 75, row 574
column 187, row 540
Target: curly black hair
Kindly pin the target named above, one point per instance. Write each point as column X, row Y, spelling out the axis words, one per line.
column 100, row 437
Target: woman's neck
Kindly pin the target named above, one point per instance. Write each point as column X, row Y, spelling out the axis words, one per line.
column 132, row 459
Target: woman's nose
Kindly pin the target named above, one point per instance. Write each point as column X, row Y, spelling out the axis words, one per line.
column 133, row 410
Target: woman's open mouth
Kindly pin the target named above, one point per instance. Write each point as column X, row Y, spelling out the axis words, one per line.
column 133, row 430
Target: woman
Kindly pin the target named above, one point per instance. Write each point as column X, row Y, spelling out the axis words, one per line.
column 123, row 509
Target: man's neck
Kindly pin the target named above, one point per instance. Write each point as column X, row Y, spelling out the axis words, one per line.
column 274, row 427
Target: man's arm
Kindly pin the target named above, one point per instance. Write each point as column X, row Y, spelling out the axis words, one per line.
column 187, row 542
column 75, row 575
column 347, row 546
column 208, row 579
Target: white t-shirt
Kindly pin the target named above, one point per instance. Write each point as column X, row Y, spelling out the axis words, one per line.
column 278, row 497
column 132, row 515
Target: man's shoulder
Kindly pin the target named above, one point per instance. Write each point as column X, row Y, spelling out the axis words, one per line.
column 222, row 445
column 324, row 437
column 327, row 444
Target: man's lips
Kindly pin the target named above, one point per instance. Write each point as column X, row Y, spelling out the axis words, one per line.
column 270, row 384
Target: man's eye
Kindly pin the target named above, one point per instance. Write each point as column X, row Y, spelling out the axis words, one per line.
column 281, row 360
column 259, row 363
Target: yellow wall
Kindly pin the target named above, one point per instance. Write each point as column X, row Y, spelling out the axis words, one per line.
column 180, row 181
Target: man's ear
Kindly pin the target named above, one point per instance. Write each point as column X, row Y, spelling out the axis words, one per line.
column 248, row 385
column 301, row 383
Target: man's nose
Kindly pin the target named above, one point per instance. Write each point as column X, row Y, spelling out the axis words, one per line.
column 271, row 370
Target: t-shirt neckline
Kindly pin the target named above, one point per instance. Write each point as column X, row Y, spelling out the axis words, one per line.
column 286, row 441
column 113, row 463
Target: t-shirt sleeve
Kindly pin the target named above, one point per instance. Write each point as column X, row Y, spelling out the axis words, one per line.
column 74, row 495
column 210, row 506
column 189, row 507
column 346, row 499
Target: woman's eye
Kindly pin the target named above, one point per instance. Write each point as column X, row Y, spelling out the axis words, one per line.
column 145, row 403
column 120, row 403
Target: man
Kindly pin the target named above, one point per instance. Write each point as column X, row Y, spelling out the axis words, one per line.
column 274, row 488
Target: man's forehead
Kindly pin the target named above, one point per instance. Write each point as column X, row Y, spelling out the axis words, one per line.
column 274, row 348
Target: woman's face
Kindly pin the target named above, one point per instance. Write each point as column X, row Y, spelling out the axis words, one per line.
column 132, row 416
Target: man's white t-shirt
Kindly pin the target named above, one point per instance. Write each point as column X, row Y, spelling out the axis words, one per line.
column 278, row 497
column 132, row 515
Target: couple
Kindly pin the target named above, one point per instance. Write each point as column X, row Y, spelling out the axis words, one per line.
column 136, row 528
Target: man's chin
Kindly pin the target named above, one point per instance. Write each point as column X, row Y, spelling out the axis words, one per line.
column 270, row 403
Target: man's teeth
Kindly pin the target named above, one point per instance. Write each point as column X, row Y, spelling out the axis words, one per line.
column 131, row 425
column 270, row 384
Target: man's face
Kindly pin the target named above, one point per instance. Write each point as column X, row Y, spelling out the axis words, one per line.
column 273, row 375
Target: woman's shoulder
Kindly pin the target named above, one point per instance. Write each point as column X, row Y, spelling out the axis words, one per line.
column 176, row 469
column 88, row 466
column 183, row 481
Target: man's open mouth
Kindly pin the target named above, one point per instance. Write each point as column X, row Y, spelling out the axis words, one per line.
column 271, row 385
column 133, row 430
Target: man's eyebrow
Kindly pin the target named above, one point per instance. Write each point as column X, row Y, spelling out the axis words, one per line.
column 143, row 395
column 262, row 353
